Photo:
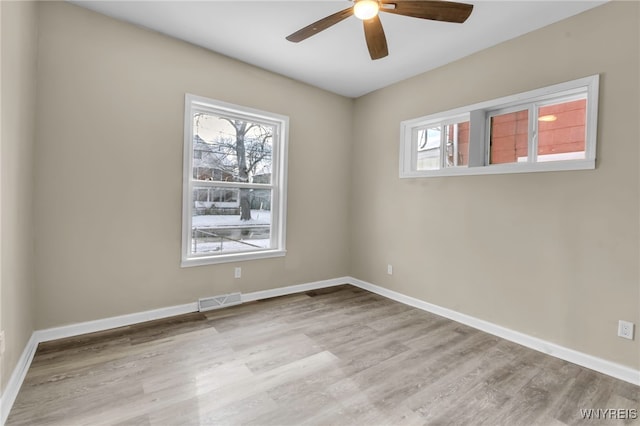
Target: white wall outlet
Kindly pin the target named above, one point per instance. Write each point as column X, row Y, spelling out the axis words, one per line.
column 2, row 345
column 625, row 329
column 390, row 269
column 238, row 272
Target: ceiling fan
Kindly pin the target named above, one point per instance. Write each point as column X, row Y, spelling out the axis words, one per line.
column 367, row 11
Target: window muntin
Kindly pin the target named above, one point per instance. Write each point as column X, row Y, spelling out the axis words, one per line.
column 234, row 183
column 513, row 134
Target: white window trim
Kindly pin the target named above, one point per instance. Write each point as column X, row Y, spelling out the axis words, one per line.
column 278, row 176
column 478, row 114
column 442, row 123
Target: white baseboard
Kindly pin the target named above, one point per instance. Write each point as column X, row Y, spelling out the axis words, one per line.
column 112, row 322
column 283, row 291
column 585, row 360
column 17, row 377
column 594, row 363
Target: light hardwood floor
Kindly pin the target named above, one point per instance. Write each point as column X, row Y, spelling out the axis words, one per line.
column 339, row 356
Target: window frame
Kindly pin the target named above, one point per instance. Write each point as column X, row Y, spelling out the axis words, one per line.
column 442, row 123
column 278, row 185
column 479, row 115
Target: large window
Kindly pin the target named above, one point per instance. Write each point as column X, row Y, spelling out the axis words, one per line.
column 234, row 189
column 553, row 128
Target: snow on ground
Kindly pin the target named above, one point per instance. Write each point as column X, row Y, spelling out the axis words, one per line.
column 230, row 246
column 233, row 238
column 258, row 218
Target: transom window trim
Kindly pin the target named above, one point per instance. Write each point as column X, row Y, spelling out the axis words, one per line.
column 278, row 185
column 480, row 115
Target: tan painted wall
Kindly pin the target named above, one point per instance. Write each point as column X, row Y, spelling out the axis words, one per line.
column 109, row 170
column 553, row 255
column 19, row 42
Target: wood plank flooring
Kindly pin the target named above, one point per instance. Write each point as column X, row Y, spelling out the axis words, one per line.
column 339, row 356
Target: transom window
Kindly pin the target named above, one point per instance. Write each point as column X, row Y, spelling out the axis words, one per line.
column 234, row 183
column 552, row 128
column 443, row 145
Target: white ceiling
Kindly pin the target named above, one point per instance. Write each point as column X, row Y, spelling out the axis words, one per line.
column 336, row 59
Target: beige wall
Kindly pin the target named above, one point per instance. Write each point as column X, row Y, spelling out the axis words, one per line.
column 553, row 255
column 19, row 41
column 109, row 170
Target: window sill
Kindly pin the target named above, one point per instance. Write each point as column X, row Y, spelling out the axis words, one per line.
column 234, row 257
column 498, row 169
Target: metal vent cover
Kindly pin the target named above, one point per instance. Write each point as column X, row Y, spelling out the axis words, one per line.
column 216, row 302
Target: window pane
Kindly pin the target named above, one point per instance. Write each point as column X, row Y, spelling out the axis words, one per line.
column 429, row 141
column 561, row 131
column 509, row 137
column 457, row 143
column 230, row 220
column 231, row 150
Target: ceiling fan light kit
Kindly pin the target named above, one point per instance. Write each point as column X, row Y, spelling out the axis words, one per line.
column 367, row 11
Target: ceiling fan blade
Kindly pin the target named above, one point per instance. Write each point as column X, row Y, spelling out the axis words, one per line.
column 320, row 25
column 376, row 41
column 445, row 11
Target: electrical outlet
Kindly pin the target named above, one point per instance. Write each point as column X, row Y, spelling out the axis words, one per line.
column 625, row 329
column 2, row 346
column 238, row 272
column 390, row 269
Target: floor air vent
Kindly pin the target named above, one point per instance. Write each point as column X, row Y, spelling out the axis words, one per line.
column 216, row 302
